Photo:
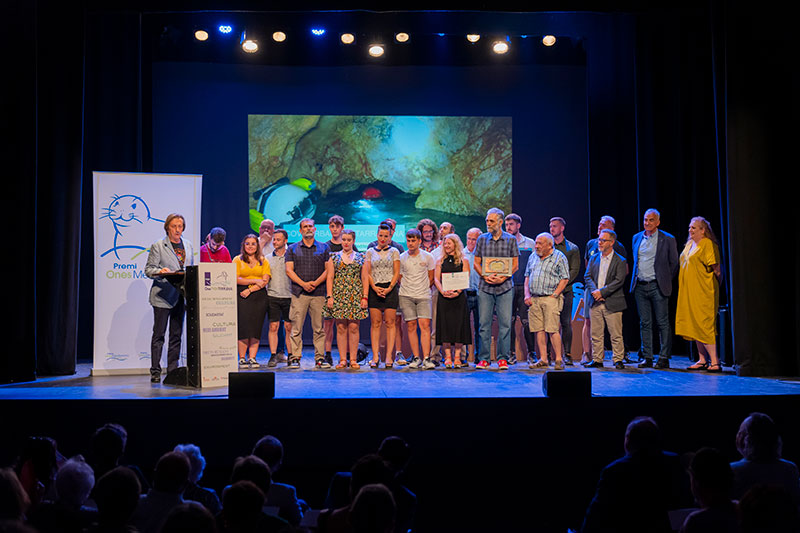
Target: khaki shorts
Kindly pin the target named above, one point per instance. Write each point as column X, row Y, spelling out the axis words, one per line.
column 545, row 312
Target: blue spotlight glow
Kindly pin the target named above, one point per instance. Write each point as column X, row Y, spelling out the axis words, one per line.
column 440, row 34
column 318, row 32
column 225, row 28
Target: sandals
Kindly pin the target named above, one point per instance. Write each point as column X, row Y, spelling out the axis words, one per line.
column 457, row 363
column 714, row 369
column 388, row 365
column 354, row 365
column 342, row 364
column 375, row 363
column 448, row 363
column 698, row 366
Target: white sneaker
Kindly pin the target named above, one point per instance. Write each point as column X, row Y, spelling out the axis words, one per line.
column 415, row 363
column 427, row 364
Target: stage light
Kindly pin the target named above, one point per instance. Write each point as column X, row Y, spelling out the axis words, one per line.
column 347, row 38
column 401, row 37
column 549, row 40
column 473, row 37
column 278, row 36
column 201, row 35
column 225, row 28
column 499, row 47
column 250, row 46
column 318, row 32
column 376, row 50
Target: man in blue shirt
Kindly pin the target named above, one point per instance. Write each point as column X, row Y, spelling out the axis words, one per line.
column 472, row 292
column 655, row 263
column 495, row 291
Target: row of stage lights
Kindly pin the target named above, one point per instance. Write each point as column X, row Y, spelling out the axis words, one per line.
column 374, row 49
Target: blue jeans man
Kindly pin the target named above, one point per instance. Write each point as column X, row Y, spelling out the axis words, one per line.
column 472, row 307
column 649, row 300
column 488, row 304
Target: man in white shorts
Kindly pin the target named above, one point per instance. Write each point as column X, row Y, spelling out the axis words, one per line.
column 416, row 276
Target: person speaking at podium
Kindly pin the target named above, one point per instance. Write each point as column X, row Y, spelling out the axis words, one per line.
column 165, row 266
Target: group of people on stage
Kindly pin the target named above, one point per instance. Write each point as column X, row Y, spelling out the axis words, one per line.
column 510, row 275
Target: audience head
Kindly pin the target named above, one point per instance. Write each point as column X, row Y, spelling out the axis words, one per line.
column 252, row 469
column 394, row 450
column 108, row 447
column 14, row 500
column 74, row 482
column 712, row 477
column 642, row 435
column 367, row 470
column 758, row 439
column 36, row 466
column 373, row 510
column 270, row 450
column 189, row 517
column 172, row 472
column 196, row 460
column 117, row 495
column 242, row 505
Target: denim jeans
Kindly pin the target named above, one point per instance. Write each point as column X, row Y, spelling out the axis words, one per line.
column 648, row 300
column 488, row 304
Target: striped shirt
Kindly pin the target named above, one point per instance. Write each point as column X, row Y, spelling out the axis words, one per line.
column 544, row 274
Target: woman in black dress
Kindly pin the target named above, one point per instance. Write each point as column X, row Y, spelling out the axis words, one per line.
column 252, row 277
column 452, row 314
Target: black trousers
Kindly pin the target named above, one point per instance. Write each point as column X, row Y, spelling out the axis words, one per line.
column 566, row 323
column 162, row 316
column 519, row 309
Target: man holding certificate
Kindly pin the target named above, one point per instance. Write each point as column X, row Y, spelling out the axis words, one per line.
column 496, row 259
column 452, row 314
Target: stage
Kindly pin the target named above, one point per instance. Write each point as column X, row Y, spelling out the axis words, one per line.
column 403, row 382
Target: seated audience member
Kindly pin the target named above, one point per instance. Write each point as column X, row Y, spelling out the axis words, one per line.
column 370, row 469
column 654, row 476
column 768, row 509
column 107, row 450
column 117, row 496
column 205, row 496
column 373, row 510
column 712, row 483
column 760, row 445
column 214, row 250
column 14, row 500
column 242, row 504
column 36, row 468
column 171, row 478
column 190, row 517
column 74, row 482
column 270, row 450
column 255, row 470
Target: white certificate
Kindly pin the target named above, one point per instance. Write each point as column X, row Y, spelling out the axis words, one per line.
column 453, row 281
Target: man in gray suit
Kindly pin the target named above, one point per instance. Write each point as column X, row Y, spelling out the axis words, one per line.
column 167, row 257
column 604, row 278
column 655, row 263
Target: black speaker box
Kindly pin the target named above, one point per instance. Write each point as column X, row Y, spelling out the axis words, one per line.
column 178, row 377
column 567, row 384
column 251, row 385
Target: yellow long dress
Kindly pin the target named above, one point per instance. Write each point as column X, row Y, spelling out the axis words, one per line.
column 698, row 292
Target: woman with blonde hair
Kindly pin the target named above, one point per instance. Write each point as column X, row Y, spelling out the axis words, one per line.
column 452, row 313
column 252, row 277
column 698, row 293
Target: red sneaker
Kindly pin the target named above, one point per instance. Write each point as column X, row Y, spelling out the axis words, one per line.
column 482, row 365
column 502, row 364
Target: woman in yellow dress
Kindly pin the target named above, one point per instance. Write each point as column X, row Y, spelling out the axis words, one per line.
column 252, row 278
column 698, row 294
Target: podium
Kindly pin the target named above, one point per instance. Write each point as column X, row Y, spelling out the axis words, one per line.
column 211, row 327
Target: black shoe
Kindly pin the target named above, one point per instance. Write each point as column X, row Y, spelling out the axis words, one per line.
column 593, row 364
column 619, row 365
column 662, row 363
column 626, row 360
column 512, row 360
column 328, row 360
column 568, row 360
column 155, row 378
column 647, row 363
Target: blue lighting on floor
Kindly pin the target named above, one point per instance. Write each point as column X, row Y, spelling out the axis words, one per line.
column 225, row 28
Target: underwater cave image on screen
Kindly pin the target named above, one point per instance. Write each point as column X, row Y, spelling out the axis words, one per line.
column 368, row 168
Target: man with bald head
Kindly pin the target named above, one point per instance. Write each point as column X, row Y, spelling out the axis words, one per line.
column 265, row 232
column 655, row 263
column 546, row 277
column 472, row 292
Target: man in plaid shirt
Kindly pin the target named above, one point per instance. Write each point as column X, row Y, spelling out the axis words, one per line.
column 546, row 277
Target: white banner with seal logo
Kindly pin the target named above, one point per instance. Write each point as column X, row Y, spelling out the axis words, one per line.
column 129, row 214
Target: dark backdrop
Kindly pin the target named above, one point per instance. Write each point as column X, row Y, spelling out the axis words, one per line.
column 686, row 112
